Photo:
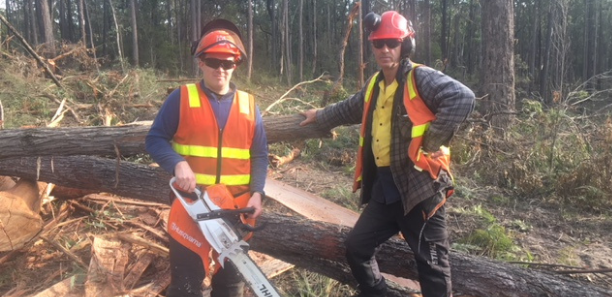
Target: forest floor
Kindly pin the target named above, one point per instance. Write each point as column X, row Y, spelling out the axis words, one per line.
column 543, row 234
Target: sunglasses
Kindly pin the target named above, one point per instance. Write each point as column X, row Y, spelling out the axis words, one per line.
column 390, row 43
column 215, row 63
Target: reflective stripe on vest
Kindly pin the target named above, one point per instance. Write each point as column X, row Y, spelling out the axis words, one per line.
column 420, row 116
column 215, row 156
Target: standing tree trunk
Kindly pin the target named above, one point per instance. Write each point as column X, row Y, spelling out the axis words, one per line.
column 444, row 33
column 105, row 27
column 270, row 7
column 471, row 28
column 360, row 80
column 534, row 52
column 250, row 41
column 287, row 40
column 82, row 22
column 118, row 34
column 91, row 36
column 301, row 38
column 427, row 33
column 314, row 37
column 47, row 26
column 63, row 22
column 349, row 26
column 8, row 10
column 545, row 71
column 199, row 17
column 135, row 57
column 70, row 21
column 498, row 66
column 365, row 43
column 194, row 32
column 31, row 24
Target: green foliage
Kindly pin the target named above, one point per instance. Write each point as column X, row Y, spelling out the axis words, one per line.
column 490, row 238
column 342, row 195
column 304, row 283
column 492, row 241
column 551, row 152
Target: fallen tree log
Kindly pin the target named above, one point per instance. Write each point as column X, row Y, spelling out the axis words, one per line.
column 123, row 140
column 321, row 251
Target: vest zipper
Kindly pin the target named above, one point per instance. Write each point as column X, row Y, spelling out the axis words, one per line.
column 219, row 156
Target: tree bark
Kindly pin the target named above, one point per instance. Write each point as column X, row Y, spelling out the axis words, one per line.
column 314, row 37
column 287, row 41
column 250, row 41
column 125, row 140
column 135, row 56
column 349, row 26
column 82, row 22
column 498, row 62
column 47, row 26
column 118, row 35
column 321, row 251
column 301, row 41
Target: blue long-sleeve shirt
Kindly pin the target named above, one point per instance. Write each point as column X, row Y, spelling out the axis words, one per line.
column 166, row 123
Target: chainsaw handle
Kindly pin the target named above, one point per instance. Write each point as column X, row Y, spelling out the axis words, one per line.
column 222, row 213
column 195, row 195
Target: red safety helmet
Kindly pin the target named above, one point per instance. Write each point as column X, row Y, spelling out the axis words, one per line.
column 392, row 25
column 220, row 36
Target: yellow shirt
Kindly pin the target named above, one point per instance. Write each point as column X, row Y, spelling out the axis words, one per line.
column 381, row 124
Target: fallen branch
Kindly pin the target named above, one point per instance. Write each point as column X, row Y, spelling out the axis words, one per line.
column 281, row 99
column 31, row 51
column 66, row 252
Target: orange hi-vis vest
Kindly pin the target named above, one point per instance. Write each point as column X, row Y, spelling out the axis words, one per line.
column 215, row 157
column 421, row 117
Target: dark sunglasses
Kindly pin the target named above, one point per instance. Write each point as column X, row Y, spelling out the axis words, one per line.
column 390, row 43
column 215, row 63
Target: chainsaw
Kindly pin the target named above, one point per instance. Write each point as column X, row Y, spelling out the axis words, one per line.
column 223, row 237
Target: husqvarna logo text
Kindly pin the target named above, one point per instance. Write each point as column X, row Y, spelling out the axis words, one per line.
column 183, row 234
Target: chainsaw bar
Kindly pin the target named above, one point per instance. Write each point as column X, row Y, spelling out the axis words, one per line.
column 223, row 239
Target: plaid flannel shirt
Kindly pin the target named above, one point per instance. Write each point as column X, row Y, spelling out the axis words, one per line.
column 448, row 99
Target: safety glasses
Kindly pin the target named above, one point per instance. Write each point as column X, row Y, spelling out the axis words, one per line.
column 390, row 43
column 215, row 63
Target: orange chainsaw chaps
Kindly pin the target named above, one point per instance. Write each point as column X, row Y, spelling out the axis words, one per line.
column 187, row 232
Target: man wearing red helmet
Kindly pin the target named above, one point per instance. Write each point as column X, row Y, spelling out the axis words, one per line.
column 205, row 134
column 408, row 113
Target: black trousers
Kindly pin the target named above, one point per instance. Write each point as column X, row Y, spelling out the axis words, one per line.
column 187, row 272
column 427, row 239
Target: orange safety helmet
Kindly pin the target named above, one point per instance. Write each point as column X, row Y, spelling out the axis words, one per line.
column 391, row 25
column 220, row 36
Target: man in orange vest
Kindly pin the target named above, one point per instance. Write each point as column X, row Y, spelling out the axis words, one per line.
column 205, row 134
column 408, row 114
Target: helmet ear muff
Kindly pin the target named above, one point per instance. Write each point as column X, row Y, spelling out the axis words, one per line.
column 408, row 46
column 371, row 22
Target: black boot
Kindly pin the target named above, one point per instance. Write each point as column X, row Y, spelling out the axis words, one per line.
column 379, row 290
